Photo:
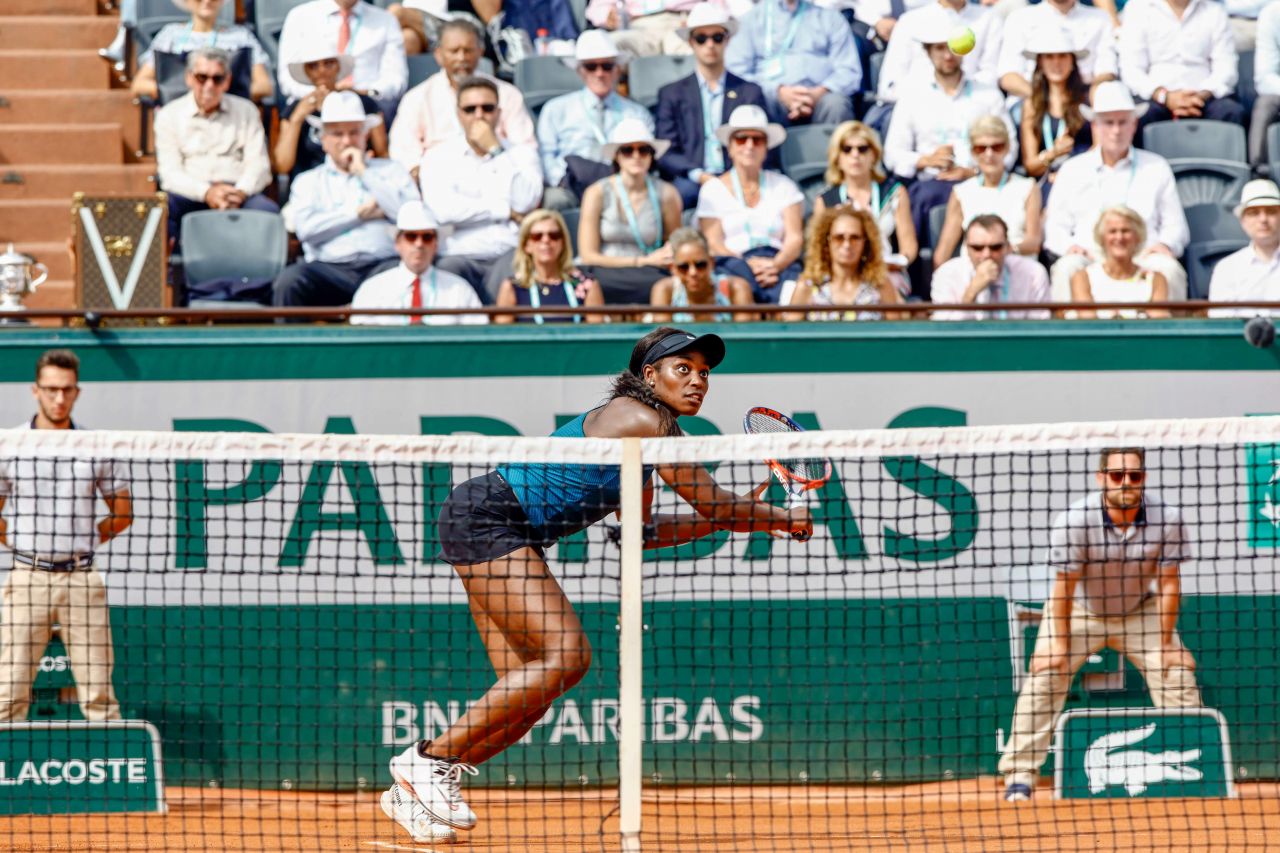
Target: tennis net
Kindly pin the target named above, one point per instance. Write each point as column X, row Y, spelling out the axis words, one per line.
column 280, row 617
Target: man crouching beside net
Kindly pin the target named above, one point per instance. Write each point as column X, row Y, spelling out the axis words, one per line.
column 1116, row 555
column 494, row 529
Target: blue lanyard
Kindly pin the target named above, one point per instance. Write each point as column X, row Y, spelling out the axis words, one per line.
column 752, row 243
column 1004, row 179
column 877, row 206
column 793, row 29
column 600, row 131
column 1133, row 174
column 188, row 37
column 1002, row 294
column 536, row 301
column 1047, row 126
column 631, row 214
column 714, row 153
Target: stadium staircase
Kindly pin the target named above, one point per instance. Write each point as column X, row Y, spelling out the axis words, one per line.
column 65, row 127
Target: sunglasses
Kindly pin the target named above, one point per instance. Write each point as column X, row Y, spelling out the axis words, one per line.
column 630, row 150
column 487, row 109
column 703, row 38
column 549, row 236
column 846, row 238
column 690, row 266
column 424, row 237
column 749, row 138
column 599, row 66
column 1135, row 478
column 861, row 148
column 215, row 79
column 996, row 148
column 984, row 247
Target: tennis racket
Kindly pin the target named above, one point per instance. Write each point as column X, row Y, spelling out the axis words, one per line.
column 796, row 476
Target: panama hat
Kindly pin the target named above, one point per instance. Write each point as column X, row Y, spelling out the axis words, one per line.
column 632, row 131
column 1052, row 40
column 1112, row 97
column 343, row 107
column 594, row 44
column 314, row 53
column 706, row 15
column 1259, row 193
column 414, row 216
column 751, row 117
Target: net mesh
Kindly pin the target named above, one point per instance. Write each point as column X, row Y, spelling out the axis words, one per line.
column 277, row 617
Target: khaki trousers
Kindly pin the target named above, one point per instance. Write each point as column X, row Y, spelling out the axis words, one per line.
column 650, row 35
column 33, row 601
column 1136, row 636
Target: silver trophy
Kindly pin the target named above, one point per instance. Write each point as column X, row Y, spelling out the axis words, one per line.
column 16, row 282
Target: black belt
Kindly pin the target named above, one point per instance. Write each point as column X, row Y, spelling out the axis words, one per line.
column 70, row 564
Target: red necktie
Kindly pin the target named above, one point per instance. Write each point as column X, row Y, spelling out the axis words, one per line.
column 344, row 31
column 415, row 299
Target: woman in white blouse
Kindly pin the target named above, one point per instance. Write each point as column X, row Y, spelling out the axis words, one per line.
column 1117, row 277
column 1013, row 198
column 753, row 219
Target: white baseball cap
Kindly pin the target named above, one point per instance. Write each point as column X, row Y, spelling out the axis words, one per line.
column 751, row 117
column 414, row 216
column 1112, row 97
column 631, row 131
column 1258, row 193
column 316, row 51
column 343, row 107
column 706, row 15
column 1052, row 40
column 595, row 44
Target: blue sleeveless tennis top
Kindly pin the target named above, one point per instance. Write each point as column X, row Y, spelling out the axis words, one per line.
column 559, row 500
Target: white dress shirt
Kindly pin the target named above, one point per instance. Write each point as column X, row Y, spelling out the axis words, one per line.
column 1090, row 29
column 1085, row 187
column 906, row 62
column 1197, row 52
column 1023, row 280
column 428, row 115
column 1245, row 276
column 475, row 194
column 376, row 43
column 194, row 150
column 393, row 288
column 579, row 123
column 927, row 117
column 323, row 210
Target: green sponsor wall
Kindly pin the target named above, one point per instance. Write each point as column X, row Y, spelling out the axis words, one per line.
column 835, row 690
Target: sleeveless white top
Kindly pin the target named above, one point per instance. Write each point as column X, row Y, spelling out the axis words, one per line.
column 1008, row 201
column 1108, row 289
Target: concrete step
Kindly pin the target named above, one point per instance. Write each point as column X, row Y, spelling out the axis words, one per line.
column 34, row 220
column 87, row 8
column 59, row 182
column 74, row 106
column 53, row 255
column 72, row 144
column 54, row 69
column 55, row 32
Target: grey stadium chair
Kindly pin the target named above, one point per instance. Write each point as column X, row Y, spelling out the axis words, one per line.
column 647, row 74
column 541, row 78
column 1201, row 258
column 1209, row 181
column 572, row 215
column 421, row 66
column 1194, row 138
column 1213, row 221
column 804, row 152
column 244, row 244
column 1246, row 90
column 1273, row 150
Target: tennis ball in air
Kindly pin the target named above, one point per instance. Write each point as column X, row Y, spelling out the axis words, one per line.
column 962, row 41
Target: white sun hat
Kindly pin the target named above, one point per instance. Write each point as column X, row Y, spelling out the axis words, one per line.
column 632, row 131
column 751, row 117
column 939, row 28
column 414, row 216
column 1259, row 193
column 316, row 51
column 706, row 15
column 1112, row 97
column 342, row 107
column 595, row 44
column 1052, row 40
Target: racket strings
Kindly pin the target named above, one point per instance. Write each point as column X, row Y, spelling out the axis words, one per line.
column 803, row 470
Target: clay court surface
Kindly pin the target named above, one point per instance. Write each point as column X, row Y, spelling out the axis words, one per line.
column 962, row 816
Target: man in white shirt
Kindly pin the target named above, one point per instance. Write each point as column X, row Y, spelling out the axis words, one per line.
column 1253, row 273
column 988, row 273
column 1089, row 27
column 928, row 138
column 211, row 152
column 414, row 282
column 1114, row 172
column 1181, row 56
column 342, row 210
column 369, row 34
column 480, row 186
column 428, row 113
column 52, row 531
column 906, row 67
column 1266, row 75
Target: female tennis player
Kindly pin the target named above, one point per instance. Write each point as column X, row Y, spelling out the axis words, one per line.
column 493, row 530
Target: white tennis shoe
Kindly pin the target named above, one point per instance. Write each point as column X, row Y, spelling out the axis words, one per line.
column 409, row 813
column 436, row 783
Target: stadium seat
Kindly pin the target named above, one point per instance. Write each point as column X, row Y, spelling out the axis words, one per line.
column 572, row 215
column 1213, row 221
column 937, row 217
column 268, row 21
column 541, row 78
column 1195, row 138
column 1201, row 258
column 154, row 14
column 804, row 152
column 259, row 238
column 1208, row 180
column 1246, row 91
column 421, row 66
column 647, row 74
column 1273, row 150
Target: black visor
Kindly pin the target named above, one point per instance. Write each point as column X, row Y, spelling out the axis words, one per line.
column 711, row 347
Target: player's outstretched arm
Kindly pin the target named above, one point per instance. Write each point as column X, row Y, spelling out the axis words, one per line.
column 721, row 509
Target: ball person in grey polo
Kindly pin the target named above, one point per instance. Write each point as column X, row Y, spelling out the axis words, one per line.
column 52, row 517
column 1115, row 555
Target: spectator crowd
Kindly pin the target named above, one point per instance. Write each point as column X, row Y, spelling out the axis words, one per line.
column 836, row 156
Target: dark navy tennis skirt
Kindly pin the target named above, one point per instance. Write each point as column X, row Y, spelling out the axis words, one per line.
column 481, row 520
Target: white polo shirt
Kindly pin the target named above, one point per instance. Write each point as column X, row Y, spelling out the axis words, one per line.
column 53, row 505
column 1245, row 276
